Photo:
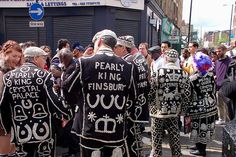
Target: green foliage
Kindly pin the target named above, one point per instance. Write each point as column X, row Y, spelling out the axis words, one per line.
column 223, row 39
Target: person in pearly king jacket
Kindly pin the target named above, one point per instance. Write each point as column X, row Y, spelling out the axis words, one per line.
column 169, row 96
column 104, row 83
column 139, row 110
column 28, row 105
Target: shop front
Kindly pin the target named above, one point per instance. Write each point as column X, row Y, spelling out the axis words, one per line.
column 75, row 20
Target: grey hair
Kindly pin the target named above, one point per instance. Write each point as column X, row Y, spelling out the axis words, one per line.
column 28, row 59
column 65, row 52
column 109, row 41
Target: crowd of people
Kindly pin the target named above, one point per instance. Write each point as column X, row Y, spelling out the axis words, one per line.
column 97, row 100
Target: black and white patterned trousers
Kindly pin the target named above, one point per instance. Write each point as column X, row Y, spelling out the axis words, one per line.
column 157, row 128
column 134, row 139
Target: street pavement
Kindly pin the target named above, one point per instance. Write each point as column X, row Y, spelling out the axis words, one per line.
column 214, row 148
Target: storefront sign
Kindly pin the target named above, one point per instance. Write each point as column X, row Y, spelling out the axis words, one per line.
column 36, row 24
column 132, row 4
column 155, row 21
column 167, row 26
column 174, row 39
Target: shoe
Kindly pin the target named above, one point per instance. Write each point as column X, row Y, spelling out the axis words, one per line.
column 192, row 147
column 198, row 153
column 220, row 122
column 70, row 155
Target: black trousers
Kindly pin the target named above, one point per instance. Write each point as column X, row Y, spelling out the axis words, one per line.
column 70, row 140
column 43, row 149
column 92, row 148
column 231, row 108
column 103, row 152
column 134, row 139
column 201, row 147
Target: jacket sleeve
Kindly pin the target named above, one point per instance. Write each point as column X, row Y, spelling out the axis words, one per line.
column 141, row 108
column 228, row 88
column 132, row 95
column 185, row 92
column 5, row 110
column 57, row 103
column 72, row 83
column 152, row 92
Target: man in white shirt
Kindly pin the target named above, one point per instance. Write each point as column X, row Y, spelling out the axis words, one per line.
column 165, row 46
column 155, row 53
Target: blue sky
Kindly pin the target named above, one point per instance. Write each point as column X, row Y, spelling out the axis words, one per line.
column 208, row 15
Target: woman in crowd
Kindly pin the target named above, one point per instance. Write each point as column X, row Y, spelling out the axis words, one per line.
column 10, row 58
column 213, row 57
column 202, row 110
column 48, row 50
column 184, row 57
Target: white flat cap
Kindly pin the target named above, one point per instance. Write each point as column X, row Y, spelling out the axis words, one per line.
column 34, row 51
column 104, row 33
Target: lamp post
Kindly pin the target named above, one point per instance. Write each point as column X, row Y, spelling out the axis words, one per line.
column 189, row 23
column 231, row 17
